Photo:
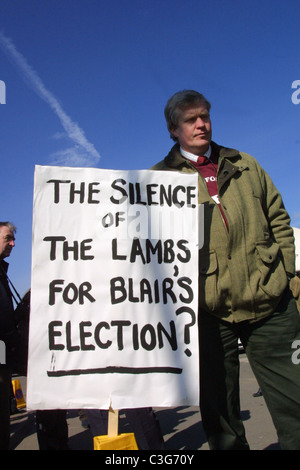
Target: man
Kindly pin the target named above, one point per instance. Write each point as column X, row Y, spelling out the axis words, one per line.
column 244, row 267
column 7, row 331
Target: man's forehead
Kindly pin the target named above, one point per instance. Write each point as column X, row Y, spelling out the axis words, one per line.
column 195, row 109
column 6, row 232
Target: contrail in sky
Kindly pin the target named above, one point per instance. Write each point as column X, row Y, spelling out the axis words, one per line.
column 83, row 153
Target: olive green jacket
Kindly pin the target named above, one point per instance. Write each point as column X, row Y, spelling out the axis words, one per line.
column 242, row 270
column 295, row 288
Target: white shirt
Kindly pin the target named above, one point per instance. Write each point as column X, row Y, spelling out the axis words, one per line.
column 194, row 158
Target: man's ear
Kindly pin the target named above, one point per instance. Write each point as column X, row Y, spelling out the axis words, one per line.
column 174, row 132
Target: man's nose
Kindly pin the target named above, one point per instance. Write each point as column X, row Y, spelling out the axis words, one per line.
column 200, row 122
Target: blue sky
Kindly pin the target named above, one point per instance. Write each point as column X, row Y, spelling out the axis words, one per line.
column 87, row 80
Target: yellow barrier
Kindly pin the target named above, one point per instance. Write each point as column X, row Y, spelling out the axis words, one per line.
column 17, row 389
column 121, row 442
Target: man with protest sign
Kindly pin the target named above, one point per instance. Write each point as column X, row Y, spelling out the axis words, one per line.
column 8, row 335
column 245, row 264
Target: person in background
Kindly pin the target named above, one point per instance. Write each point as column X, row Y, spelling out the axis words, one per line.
column 8, row 334
column 245, row 265
column 52, row 429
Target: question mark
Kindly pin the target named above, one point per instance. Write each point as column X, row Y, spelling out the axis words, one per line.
column 187, row 326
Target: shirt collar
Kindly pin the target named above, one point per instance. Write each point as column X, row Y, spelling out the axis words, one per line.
column 194, row 158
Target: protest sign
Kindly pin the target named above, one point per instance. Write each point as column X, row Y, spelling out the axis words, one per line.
column 114, row 289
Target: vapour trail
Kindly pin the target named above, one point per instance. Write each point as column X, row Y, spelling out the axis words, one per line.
column 84, row 153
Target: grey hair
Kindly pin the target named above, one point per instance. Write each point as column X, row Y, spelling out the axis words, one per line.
column 11, row 226
column 178, row 102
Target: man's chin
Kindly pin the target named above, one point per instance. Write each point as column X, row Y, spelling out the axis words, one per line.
column 200, row 149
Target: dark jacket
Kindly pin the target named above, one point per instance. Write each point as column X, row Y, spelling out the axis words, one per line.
column 242, row 270
column 7, row 321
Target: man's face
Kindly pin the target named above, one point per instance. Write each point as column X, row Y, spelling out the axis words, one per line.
column 7, row 241
column 194, row 129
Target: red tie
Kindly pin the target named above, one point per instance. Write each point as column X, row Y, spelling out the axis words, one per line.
column 201, row 160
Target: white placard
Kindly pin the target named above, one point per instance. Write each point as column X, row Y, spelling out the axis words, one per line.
column 114, row 291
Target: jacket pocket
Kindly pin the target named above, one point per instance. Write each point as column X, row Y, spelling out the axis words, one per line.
column 208, row 268
column 273, row 278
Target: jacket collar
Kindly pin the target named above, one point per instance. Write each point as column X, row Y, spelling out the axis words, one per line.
column 3, row 266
